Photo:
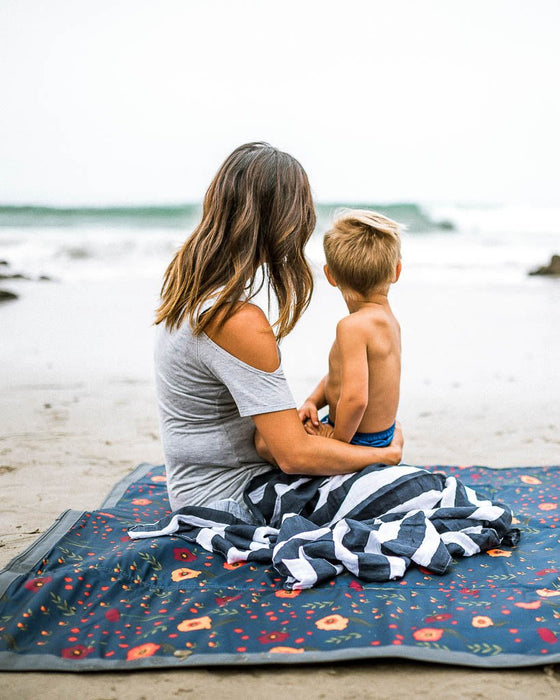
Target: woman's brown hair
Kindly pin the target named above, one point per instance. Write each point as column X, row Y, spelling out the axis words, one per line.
column 257, row 212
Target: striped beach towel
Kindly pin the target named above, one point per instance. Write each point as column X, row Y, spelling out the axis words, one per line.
column 374, row 523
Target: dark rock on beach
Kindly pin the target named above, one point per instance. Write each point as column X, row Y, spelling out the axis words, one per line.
column 553, row 268
column 14, row 276
column 5, row 295
column 446, row 225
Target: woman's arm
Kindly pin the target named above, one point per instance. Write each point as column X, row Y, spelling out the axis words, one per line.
column 296, row 452
column 248, row 336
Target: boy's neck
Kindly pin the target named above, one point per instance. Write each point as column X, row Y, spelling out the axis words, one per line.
column 356, row 302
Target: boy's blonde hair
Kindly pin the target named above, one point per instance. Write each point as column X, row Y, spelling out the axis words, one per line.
column 363, row 249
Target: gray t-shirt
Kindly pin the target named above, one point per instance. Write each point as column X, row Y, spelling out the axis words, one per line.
column 205, row 399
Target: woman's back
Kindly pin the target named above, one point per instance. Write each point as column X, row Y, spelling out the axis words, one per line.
column 205, row 399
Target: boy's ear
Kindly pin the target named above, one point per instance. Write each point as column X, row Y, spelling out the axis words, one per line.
column 398, row 271
column 329, row 276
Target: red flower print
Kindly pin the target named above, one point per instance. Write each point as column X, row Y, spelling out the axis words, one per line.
column 355, row 586
column 183, row 554
column 470, row 591
column 543, row 572
column 272, row 637
column 226, row 599
column 76, row 652
column 141, row 501
column 37, row 583
column 439, row 618
column 112, row 615
column 547, row 635
column 148, row 649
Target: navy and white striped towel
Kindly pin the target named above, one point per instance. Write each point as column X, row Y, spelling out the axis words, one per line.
column 373, row 523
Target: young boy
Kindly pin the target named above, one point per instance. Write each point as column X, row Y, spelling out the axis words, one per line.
column 363, row 256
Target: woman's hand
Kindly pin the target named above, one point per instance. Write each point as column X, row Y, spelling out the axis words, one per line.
column 309, row 413
column 322, row 429
column 396, row 447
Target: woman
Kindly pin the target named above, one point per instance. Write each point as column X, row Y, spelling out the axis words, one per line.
column 218, row 371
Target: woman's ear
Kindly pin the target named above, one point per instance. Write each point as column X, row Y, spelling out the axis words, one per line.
column 398, row 271
column 329, row 276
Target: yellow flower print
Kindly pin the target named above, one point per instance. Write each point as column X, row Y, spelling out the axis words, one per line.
column 183, row 573
column 482, row 621
column 532, row 480
column 196, row 623
column 332, row 622
column 548, row 592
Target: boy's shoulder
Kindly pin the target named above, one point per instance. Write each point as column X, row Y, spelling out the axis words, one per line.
column 377, row 329
column 363, row 325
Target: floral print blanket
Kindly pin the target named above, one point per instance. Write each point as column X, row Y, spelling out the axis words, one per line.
column 374, row 523
column 87, row 597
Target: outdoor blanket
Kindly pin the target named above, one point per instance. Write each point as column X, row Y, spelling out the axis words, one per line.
column 373, row 523
column 86, row 597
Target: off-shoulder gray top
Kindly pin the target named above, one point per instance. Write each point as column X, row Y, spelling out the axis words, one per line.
column 206, row 398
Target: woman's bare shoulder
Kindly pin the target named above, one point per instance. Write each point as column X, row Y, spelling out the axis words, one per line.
column 248, row 336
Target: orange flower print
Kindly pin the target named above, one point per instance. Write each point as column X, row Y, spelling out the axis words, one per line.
column 548, row 592
column 282, row 593
column 158, row 479
column 195, row 623
column 533, row 605
column 482, row 621
column 285, row 650
column 428, row 634
column 234, row 565
column 148, row 649
column 183, row 573
column 532, row 480
column 332, row 622
column 548, row 506
column 141, row 501
column 498, row 553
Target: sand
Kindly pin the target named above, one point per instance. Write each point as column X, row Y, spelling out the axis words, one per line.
column 77, row 413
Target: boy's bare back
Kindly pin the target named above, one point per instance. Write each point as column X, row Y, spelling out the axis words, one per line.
column 364, row 370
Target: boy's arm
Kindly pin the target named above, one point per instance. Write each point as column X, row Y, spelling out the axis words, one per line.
column 353, row 399
column 313, row 403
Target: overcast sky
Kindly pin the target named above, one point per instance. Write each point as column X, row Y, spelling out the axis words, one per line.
column 139, row 101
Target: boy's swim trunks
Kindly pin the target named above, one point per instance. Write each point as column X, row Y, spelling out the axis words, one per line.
column 380, row 439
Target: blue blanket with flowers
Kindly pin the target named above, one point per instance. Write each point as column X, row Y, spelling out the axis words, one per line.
column 87, row 597
column 374, row 524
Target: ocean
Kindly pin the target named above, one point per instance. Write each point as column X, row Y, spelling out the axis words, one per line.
column 457, row 244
